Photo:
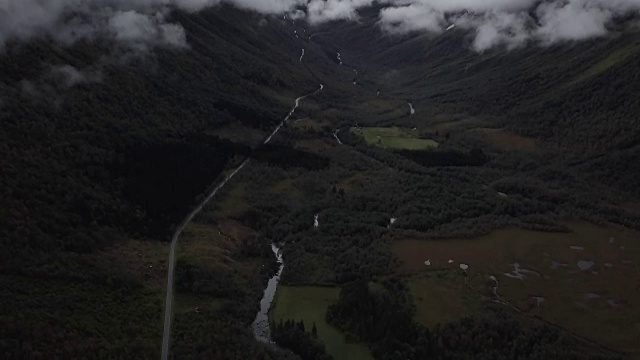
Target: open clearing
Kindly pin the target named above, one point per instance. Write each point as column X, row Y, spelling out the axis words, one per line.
column 394, row 137
column 232, row 202
column 587, row 281
column 506, row 140
column 309, row 304
column 440, row 298
column 310, row 124
column 145, row 260
column 600, row 67
column 239, row 133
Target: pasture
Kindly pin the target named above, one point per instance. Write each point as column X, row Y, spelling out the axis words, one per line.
column 586, row 280
column 309, row 304
column 394, row 138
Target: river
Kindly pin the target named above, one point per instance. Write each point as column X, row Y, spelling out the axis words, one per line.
column 260, row 326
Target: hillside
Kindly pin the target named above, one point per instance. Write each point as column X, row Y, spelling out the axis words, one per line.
column 119, row 159
column 98, row 169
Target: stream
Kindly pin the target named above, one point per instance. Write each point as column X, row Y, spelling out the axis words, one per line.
column 260, row 325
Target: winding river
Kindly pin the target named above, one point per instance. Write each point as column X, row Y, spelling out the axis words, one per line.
column 260, row 326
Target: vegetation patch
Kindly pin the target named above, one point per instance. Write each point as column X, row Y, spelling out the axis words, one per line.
column 607, row 63
column 234, row 201
column 146, row 261
column 310, row 124
column 441, row 300
column 450, row 122
column 237, row 132
column 187, row 302
column 219, row 273
column 394, row 137
column 309, row 304
column 584, row 280
column 508, row 141
column 205, row 244
column 98, row 319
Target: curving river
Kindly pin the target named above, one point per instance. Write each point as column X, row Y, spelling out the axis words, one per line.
column 260, row 326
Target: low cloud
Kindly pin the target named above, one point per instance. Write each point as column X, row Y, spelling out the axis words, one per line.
column 329, row 10
column 414, row 17
column 144, row 24
column 137, row 24
column 140, row 30
column 67, row 76
column 511, row 23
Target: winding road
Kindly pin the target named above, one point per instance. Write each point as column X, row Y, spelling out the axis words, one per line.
column 166, row 335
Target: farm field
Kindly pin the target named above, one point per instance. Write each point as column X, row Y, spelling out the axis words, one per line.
column 394, row 137
column 442, row 297
column 586, row 280
column 309, row 304
column 507, row 141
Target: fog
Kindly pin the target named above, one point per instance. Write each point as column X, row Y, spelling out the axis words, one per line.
column 512, row 23
column 143, row 24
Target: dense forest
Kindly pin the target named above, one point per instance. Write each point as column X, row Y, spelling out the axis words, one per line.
column 90, row 168
column 383, row 318
column 92, row 165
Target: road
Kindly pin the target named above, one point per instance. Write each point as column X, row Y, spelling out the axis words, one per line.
column 166, row 335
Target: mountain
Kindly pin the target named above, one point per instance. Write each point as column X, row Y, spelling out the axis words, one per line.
column 100, row 165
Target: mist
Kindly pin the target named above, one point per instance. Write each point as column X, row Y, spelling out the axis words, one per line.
column 140, row 25
column 510, row 23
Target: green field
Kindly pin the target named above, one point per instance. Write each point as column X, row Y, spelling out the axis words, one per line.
column 441, row 298
column 597, row 303
column 232, row 202
column 394, row 137
column 607, row 63
column 309, row 304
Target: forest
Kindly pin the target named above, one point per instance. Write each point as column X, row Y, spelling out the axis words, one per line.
column 103, row 164
column 383, row 318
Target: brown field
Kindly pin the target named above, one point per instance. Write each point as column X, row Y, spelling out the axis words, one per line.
column 213, row 246
column 444, row 123
column 145, row 260
column 188, row 303
column 508, row 141
column 360, row 180
column 316, row 145
column 390, row 108
column 287, row 188
column 599, row 303
column 236, row 230
column 441, row 301
column 633, row 206
column 239, row 133
column 234, row 202
column 207, row 245
column 310, row 124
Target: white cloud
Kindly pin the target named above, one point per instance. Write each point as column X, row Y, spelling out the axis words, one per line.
column 267, row 6
column 500, row 28
column 508, row 22
column 329, row 10
column 68, row 76
column 142, row 24
column 411, row 18
column 140, row 30
column 70, row 20
column 572, row 21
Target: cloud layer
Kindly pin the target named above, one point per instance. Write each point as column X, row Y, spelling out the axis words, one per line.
column 141, row 24
column 508, row 22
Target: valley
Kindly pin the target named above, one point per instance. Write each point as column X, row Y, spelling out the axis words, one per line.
column 398, row 197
